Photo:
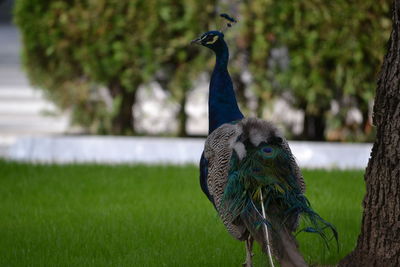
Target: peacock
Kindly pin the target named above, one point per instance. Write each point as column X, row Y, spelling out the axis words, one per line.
column 249, row 173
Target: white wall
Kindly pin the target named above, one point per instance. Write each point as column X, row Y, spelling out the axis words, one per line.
column 114, row 150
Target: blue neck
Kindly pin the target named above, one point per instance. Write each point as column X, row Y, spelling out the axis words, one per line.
column 222, row 104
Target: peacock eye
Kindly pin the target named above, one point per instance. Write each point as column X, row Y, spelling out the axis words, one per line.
column 211, row 39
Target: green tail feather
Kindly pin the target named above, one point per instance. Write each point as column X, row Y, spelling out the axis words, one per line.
column 267, row 168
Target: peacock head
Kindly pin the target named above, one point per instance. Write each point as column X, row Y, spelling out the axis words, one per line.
column 211, row 39
column 215, row 39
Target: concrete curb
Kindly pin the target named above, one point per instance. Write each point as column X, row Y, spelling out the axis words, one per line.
column 117, row 150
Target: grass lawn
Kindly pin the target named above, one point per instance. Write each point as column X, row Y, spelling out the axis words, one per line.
column 95, row 215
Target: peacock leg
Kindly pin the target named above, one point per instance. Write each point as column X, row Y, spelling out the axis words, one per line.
column 249, row 252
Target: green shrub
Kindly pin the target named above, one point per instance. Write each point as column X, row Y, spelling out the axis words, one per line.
column 76, row 49
column 335, row 52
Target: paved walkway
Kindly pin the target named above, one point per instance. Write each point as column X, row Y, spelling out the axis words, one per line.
column 23, row 110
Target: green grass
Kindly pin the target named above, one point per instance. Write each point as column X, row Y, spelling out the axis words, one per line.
column 88, row 215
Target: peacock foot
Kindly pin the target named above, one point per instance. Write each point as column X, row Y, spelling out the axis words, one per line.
column 247, row 264
column 249, row 252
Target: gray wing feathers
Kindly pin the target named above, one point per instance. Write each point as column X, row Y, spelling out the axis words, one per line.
column 295, row 167
column 218, row 152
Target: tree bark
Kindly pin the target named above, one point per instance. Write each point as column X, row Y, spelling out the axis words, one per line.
column 260, row 107
column 182, row 116
column 123, row 121
column 314, row 126
column 240, row 89
column 379, row 241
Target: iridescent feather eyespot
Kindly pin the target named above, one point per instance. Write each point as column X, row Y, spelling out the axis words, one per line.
column 267, row 152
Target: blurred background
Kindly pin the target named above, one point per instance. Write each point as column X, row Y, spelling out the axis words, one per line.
column 125, row 68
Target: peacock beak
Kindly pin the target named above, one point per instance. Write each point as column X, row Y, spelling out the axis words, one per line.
column 196, row 41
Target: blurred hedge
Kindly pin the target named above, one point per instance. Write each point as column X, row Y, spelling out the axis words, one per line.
column 80, row 51
column 335, row 50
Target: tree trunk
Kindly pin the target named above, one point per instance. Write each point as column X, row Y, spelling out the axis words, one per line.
column 260, row 108
column 314, row 127
column 123, row 121
column 365, row 127
column 379, row 241
column 182, row 116
column 240, row 90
